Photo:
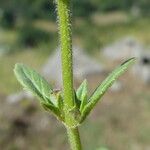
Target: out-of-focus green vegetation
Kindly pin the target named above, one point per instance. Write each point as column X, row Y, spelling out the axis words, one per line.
column 111, row 5
column 27, row 9
column 30, row 36
column 103, row 34
column 45, row 9
column 38, row 16
column 15, row 10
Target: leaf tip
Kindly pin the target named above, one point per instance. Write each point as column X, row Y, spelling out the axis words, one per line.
column 129, row 61
column 85, row 81
column 17, row 67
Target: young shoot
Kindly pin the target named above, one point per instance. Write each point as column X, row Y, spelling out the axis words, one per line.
column 69, row 106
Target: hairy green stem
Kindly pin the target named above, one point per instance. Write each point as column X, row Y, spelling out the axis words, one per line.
column 74, row 138
column 64, row 18
column 63, row 8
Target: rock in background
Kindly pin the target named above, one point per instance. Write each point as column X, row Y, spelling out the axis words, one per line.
column 123, row 49
column 142, row 68
column 129, row 47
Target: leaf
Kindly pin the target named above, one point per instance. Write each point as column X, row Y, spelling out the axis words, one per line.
column 33, row 82
column 60, row 102
column 82, row 94
column 76, row 100
column 53, row 109
column 101, row 89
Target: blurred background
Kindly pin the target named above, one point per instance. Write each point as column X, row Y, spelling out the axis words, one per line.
column 105, row 33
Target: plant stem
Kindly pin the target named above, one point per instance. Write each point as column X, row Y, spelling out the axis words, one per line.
column 63, row 8
column 64, row 16
column 74, row 138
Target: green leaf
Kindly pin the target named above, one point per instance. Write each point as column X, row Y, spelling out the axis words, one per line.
column 33, row 82
column 102, row 88
column 76, row 100
column 82, row 94
column 60, row 102
column 53, row 109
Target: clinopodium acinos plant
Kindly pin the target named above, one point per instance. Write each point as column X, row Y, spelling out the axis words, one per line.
column 69, row 106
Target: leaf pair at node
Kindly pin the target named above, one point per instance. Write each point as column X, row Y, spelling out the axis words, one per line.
column 53, row 100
